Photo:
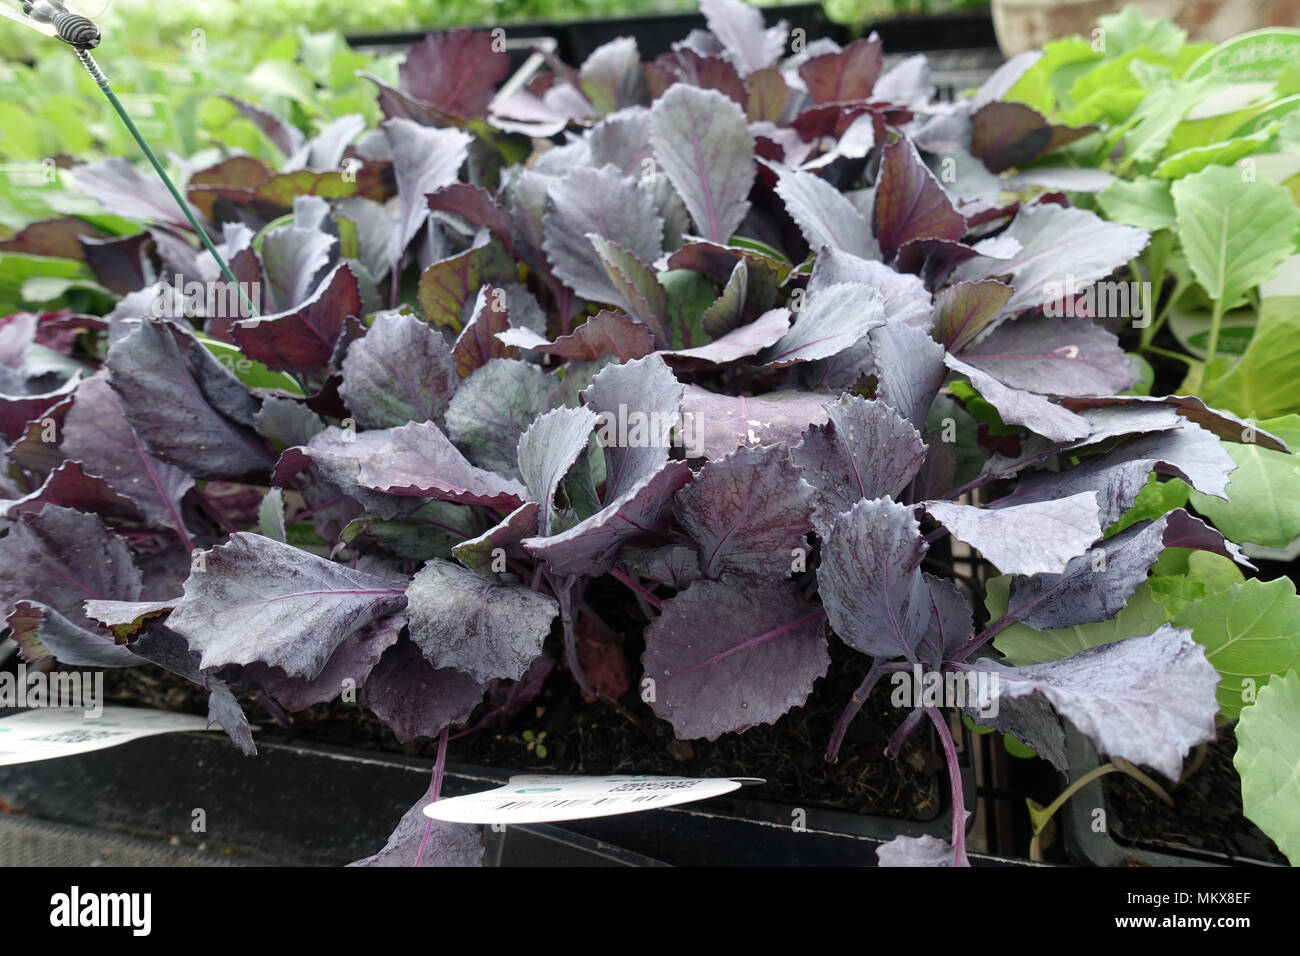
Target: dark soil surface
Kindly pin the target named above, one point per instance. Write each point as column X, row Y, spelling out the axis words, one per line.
column 625, row 737
column 1206, row 814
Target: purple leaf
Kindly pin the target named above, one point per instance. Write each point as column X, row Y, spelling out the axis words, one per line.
column 126, row 618
column 457, row 72
column 476, row 206
column 402, row 371
column 184, row 405
column 965, row 309
column 55, row 560
column 255, row 599
column 612, row 79
column 915, row 851
column 875, row 596
column 844, row 77
column 1219, row 423
column 1004, row 135
column 951, row 621
column 702, row 141
column 16, row 410
column 287, row 138
column 353, row 661
column 424, row 161
column 1018, row 407
column 418, row 460
column 767, row 96
column 910, row 203
column 1119, row 475
column 609, row 204
column 1032, row 538
column 824, row 215
column 1096, row 585
column 70, row 486
column 296, row 257
column 414, row 699
column 591, row 547
column 910, row 369
column 835, row 319
column 419, row 840
column 164, row 647
column 741, row 342
column 546, row 453
column 1064, row 356
column 636, row 285
column 478, row 342
column 122, row 265
column 866, row 450
column 704, row 72
column 715, row 425
column 493, row 408
column 1057, row 245
column 605, row 333
column 477, row 624
column 479, row 554
column 125, row 191
column 303, row 338
column 747, row 512
column 448, row 286
column 1146, row 699
column 740, row 29
column 906, row 299
column 637, row 405
column 43, row 634
column 729, row 655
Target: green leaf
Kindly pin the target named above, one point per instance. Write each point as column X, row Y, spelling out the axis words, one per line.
column 689, row 295
column 1249, row 631
column 1023, row 645
column 1162, row 109
column 1129, row 30
column 1048, row 81
column 251, row 373
column 1268, row 760
column 1264, row 491
column 1155, row 499
column 270, row 515
column 1143, row 202
column 1263, row 383
column 1224, row 153
column 1235, row 233
column 1205, row 573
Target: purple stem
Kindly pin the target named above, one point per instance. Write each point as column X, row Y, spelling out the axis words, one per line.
column 905, row 730
column 954, row 781
column 564, row 594
column 435, row 790
column 632, row 584
column 855, row 704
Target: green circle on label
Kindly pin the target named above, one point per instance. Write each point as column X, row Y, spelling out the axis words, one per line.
column 538, row 790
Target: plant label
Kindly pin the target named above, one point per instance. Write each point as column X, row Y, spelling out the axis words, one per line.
column 546, row 798
column 46, row 733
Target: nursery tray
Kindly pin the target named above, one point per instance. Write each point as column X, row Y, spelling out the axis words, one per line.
column 1087, row 847
column 312, row 805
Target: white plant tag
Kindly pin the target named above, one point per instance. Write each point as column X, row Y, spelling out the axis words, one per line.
column 547, row 798
column 48, row 732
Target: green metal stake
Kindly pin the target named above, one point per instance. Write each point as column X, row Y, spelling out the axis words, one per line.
column 101, row 81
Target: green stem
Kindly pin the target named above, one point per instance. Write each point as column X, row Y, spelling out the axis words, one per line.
column 1117, row 764
column 1216, row 320
column 101, row 81
column 1167, row 353
column 1149, row 333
